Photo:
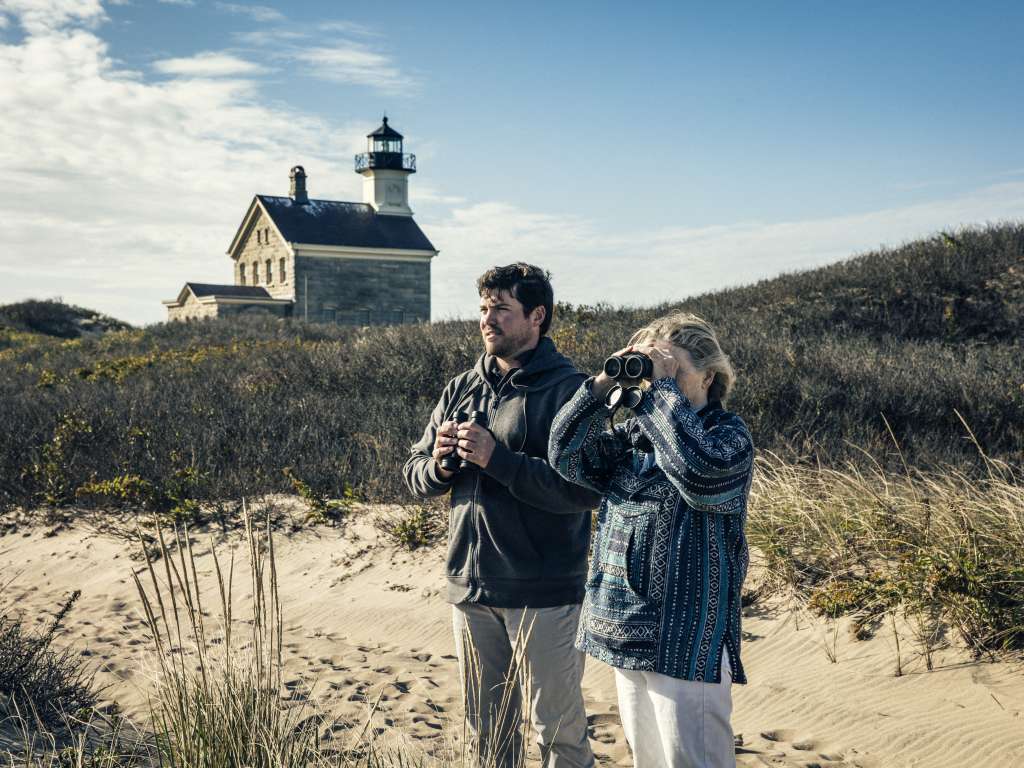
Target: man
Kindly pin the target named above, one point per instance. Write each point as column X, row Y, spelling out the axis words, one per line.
column 518, row 533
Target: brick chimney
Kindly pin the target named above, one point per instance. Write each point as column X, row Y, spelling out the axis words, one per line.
column 297, row 192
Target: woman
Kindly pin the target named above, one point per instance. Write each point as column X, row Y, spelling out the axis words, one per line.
column 663, row 597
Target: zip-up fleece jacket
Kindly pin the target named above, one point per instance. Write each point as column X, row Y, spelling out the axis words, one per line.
column 518, row 533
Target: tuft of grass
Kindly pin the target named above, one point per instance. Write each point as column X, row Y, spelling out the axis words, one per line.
column 942, row 548
column 415, row 527
column 36, row 677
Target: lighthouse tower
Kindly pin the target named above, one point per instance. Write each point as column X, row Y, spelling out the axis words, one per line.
column 385, row 171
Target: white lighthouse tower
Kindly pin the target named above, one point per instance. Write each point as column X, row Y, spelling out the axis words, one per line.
column 385, row 171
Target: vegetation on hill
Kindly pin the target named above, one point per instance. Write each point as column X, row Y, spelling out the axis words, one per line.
column 899, row 347
column 52, row 318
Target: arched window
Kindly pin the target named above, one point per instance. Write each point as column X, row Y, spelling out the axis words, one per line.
column 255, row 273
column 270, row 271
column 281, row 274
column 241, row 274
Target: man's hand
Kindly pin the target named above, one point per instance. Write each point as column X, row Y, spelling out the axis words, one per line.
column 444, row 443
column 476, row 444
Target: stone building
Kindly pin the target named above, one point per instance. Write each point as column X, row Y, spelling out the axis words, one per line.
column 362, row 263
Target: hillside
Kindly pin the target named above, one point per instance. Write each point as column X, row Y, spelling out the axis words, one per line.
column 833, row 364
column 54, row 318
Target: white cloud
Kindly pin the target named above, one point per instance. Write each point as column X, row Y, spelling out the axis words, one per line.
column 347, row 28
column 208, row 64
column 641, row 268
column 257, row 12
column 348, row 62
column 117, row 190
column 185, row 3
column 42, row 15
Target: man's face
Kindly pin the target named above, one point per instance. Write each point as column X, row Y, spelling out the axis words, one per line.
column 505, row 328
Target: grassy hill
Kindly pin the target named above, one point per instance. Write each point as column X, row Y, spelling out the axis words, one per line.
column 53, row 318
column 908, row 343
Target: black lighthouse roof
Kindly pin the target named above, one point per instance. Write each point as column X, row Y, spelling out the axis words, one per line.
column 385, row 132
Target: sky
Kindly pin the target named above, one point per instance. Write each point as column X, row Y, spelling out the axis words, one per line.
column 641, row 152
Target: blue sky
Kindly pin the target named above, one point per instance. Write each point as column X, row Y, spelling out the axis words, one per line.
column 640, row 152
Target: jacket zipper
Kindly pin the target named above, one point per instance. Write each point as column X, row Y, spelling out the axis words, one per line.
column 474, row 565
column 490, row 409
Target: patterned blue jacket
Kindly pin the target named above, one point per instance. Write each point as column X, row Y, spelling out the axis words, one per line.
column 670, row 554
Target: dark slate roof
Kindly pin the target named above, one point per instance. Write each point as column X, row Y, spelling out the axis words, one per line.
column 233, row 291
column 384, row 132
column 331, row 222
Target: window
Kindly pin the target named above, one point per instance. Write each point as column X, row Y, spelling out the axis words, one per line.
column 270, row 272
column 255, row 273
column 259, row 236
column 241, row 274
column 281, row 274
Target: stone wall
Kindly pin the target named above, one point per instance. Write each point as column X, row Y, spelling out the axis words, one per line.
column 362, row 291
column 191, row 310
column 194, row 310
column 256, row 250
column 247, row 310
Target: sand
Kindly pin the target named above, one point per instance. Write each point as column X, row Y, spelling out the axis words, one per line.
column 367, row 622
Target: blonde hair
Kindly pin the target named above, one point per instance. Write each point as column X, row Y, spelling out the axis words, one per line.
column 696, row 336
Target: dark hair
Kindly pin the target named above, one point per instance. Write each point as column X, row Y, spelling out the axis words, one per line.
column 529, row 285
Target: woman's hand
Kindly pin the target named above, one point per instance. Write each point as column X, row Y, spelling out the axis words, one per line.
column 664, row 362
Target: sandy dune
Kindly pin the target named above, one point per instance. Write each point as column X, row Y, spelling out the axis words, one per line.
column 366, row 622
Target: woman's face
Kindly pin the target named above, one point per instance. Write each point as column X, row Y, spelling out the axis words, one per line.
column 693, row 383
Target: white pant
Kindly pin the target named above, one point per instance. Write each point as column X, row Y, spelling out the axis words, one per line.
column 672, row 723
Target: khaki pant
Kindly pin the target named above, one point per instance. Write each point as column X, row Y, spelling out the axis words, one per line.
column 672, row 723
column 555, row 669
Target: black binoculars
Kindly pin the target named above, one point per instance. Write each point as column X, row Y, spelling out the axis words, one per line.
column 634, row 365
column 452, row 462
column 627, row 397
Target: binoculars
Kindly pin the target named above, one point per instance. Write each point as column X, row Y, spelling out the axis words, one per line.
column 452, row 462
column 634, row 365
column 627, row 397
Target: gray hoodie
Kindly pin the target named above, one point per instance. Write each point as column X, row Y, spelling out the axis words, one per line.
column 518, row 534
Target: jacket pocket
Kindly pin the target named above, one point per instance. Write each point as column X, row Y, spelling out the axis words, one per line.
column 621, row 616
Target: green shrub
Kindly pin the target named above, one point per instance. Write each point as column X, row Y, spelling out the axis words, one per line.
column 416, row 527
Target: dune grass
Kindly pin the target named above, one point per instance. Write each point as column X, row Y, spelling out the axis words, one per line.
column 942, row 549
column 219, row 698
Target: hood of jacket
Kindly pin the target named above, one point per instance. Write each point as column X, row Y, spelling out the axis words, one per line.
column 546, row 368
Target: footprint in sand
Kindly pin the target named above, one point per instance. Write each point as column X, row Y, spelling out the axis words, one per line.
column 785, row 747
column 604, row 728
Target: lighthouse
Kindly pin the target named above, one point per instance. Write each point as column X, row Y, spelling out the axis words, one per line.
column 385, row 169
column 327, row 261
